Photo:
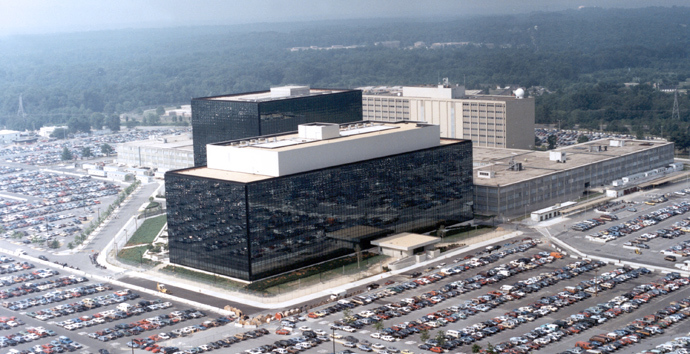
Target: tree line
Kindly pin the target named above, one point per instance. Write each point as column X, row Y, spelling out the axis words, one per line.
column 581, row 57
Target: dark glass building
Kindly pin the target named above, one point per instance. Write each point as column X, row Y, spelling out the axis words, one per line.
column 252, row 226
column 230, row 117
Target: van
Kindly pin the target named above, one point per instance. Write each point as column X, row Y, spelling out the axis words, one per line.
column 670, row 258
column 124, row 307
column 453, row 333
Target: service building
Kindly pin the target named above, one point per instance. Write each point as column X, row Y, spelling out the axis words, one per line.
column 164, row 153
column 511, row 182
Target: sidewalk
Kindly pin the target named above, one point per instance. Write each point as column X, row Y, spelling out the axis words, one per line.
column 274, row 303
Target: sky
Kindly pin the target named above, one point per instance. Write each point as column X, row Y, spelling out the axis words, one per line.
column 52, row 16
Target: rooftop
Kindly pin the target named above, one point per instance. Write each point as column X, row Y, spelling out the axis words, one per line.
column 538, row 163
column 397, row 91
column 251, row 160
column 274, row 94
column 178, row 142
column 406, row 241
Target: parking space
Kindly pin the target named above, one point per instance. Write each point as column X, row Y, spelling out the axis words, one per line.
column 54, row 206
column 640, row 232
column 46, row 311
column 45, row 152
column 507, row 307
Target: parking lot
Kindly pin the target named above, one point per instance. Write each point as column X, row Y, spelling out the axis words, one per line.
column 652, row 229
column 477, row 308
column 45, row 310
column 38, row 207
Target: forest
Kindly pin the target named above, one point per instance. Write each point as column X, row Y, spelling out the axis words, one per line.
column 581, row 59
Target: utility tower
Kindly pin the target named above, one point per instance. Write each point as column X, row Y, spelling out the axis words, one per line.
column 20, row 111
column 676, row 112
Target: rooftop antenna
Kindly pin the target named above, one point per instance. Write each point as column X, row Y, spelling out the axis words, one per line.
column 20, row 111
column 676, row 112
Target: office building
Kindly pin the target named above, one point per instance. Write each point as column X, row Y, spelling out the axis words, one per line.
column 510, row 183
column 9, row 136
column 282, row 109
column 164, row 153
column 487, row 120
column 275, row 203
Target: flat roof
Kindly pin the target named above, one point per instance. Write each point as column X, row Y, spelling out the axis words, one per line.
column 537, row 163
column 266, row 96
column 292, row 140
column 244, row 177
column 406, row 241
column 177, row 142
column 397, row 91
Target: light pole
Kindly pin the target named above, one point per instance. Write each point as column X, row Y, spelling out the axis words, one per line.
column 333, row 339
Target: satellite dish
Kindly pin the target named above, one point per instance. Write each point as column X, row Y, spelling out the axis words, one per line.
column 519, row 93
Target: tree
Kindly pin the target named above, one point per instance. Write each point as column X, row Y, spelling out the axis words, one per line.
column 97, row 120
column 378, row 326
column 66, row 154
column 54, row 244
column 131, row 123
column 347, row 315
column 160, row 110
column 113, row 123
column 59, row 133
column 17, row 235
column 582, row 139
column 490, row 348
column 79, row 124
column 86, row 152
column 70, row 245
column 152, row 119
column 552, row 139
column 441, row 338
column 106, row 149
column 424, row 335
column 476, row 348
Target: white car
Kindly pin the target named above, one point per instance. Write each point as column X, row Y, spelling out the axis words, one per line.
column 320, row 332
column 388, row 338
column 349, row 329
column 305, row 328
column 376, row 335
column 378, row 346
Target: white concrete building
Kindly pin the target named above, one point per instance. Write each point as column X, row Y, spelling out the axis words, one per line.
column 8, row 136
column 319, row 145
column 170, row 152
column 489, row 121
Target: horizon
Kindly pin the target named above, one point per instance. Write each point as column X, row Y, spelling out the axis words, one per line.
column 32, row 17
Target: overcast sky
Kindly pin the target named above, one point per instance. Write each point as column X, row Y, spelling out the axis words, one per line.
column 47, row 16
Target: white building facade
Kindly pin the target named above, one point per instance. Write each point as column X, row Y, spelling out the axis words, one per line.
column 489, row 121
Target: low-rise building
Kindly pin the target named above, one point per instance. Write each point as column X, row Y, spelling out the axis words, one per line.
column 170, row 152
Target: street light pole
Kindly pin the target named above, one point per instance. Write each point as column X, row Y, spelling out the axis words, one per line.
column 333, row 339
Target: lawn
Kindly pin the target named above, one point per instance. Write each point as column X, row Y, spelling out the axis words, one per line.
column 147, row 231
column 133, row 255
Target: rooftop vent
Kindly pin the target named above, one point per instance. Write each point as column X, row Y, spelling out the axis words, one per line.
column 486, row 174
column 318, row 131
column 558, row 156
